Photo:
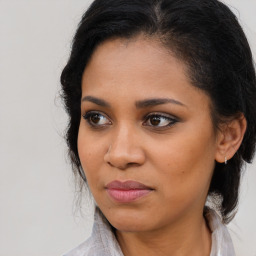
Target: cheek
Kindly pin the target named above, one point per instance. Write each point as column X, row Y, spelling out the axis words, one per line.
column 91, row 153
column 185, row 166
column 184, row 155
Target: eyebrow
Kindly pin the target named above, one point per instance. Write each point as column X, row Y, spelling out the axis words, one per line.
column 156, row 101
column 139, row 104
column 96, row 101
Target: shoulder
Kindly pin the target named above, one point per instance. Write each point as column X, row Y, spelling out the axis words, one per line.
column 102, row 241
column 221, row 239
column 84, row 249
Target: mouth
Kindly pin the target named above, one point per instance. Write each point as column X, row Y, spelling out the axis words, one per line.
column 128, row 191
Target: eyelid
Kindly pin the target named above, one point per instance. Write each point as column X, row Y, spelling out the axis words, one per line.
column 172, row 119
column 161, row 114
column 88, row 112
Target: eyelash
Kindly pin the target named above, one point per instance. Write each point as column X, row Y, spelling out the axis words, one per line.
column 171, row 120
column 87, row 116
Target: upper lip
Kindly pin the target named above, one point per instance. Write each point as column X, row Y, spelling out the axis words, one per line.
column 126, row 185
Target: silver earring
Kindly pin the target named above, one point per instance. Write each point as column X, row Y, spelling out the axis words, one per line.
column 226, row 161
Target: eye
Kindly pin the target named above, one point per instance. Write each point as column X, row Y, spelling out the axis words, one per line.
column 96, row 119
column 159, row 120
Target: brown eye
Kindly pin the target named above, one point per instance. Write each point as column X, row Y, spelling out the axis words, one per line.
column 158, row 120
column 96, row 119
column 155, row 120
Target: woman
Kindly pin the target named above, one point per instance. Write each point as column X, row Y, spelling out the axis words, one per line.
column 161, row 99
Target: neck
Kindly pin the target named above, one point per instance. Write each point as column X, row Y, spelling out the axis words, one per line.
column 186, row 238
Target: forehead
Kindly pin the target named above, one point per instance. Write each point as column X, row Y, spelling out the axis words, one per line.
column 137, row 68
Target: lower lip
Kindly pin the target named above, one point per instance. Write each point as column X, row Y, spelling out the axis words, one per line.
column 126, row 196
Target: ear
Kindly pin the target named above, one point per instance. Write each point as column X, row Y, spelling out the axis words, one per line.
column 230, row 137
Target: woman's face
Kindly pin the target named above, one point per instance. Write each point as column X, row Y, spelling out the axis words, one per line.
column 146, row 140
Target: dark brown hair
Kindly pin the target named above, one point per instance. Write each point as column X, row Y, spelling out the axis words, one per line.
column 205, row 35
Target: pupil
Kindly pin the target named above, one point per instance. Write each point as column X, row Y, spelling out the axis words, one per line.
column 155, row 120
column 95, row 118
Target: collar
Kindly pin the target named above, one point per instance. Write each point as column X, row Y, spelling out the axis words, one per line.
column 104, row 243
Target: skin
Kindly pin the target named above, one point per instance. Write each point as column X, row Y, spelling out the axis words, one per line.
column 124, row 143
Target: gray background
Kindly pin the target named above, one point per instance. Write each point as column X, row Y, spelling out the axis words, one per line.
column 37, row 214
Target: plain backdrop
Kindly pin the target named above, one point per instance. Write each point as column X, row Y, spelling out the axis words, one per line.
column 37, row 191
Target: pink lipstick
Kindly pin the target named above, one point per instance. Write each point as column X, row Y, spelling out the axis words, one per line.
column 128, row 191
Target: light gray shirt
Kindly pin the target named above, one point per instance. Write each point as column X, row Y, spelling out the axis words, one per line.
column 103, row 241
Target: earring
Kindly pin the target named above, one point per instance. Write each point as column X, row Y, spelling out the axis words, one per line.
column 226, row 161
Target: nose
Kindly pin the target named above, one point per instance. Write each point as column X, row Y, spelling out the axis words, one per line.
column 125, row 149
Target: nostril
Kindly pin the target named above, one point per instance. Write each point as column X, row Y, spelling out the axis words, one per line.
column 124, row 166
column 110, row 164
column 132, row 164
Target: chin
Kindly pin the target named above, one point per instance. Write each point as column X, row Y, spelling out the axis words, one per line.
column 128, row 222
column 130, row 226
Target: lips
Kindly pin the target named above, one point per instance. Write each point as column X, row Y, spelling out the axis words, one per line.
column 128, row 191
